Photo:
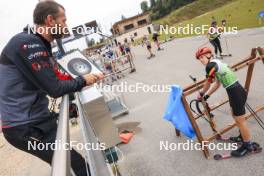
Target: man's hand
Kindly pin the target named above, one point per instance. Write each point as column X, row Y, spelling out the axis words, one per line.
column 92, row 78
column 99, row 76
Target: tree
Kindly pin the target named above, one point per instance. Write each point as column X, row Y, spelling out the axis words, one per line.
column 123, row 17
column 160, row 8
column 166, row 6
column 152, row 3
column 144, row 6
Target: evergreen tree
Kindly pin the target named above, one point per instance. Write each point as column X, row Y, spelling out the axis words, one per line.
column 152, row 3
column 144, row 6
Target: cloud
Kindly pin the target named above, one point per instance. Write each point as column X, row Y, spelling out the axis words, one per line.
column 16, row 14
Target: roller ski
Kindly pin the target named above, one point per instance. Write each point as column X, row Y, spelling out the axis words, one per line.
column 240, row 152
column 133, row 70
column 227, row 48
column 237, row 139
column 226, row 55
column 151, row 56
column 222, row 56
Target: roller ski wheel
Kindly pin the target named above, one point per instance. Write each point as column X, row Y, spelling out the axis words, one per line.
column 255, row 149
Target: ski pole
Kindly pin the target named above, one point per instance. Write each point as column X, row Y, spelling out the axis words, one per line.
column 206, row 108
column 256, row 117
column 196, row 101
column 227, row 48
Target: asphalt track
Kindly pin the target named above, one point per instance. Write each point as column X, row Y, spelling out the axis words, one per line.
column 143, row 156
column 173, row 65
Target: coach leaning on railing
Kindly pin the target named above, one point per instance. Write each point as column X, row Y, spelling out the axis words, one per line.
column 27, row 77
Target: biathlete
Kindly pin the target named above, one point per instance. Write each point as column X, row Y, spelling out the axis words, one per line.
column 156, row 40
column 129, row 56
column 213, row 36
column 221, row 73
column 148, row 44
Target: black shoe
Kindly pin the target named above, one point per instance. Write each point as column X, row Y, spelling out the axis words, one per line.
column 246, row 148
column 133, row 70
column 241, row 151
column 236, row 139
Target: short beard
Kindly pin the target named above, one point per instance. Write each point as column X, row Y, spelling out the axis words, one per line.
column 57, row 36
column 58, row 33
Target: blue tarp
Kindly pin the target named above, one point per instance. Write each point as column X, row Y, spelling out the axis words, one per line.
column 176, row 114
column 261, row 14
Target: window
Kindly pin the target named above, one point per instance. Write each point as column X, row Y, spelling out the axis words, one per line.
column 130, row 26
column 149, row 30
column 135, row 34
column 141, row 22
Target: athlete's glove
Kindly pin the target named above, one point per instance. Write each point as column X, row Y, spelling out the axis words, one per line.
column 206, row 97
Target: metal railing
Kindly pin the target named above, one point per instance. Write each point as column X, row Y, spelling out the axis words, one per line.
column 61, row 157
column 95, row 159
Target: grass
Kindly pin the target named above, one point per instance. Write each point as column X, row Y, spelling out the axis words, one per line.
column 238, row 13
column 192, row 10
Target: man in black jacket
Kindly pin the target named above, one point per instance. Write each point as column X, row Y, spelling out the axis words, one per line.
column 27, row 77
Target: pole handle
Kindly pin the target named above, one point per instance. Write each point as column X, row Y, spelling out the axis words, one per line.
column 194, row 79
